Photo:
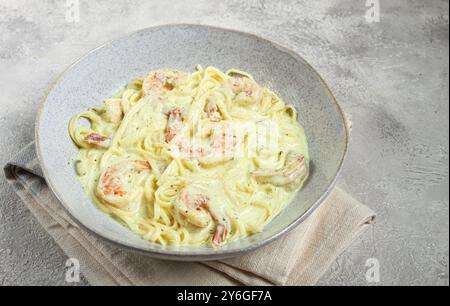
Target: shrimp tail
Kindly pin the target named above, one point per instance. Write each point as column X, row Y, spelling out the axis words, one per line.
column 173, row 124
column 220, row 235
column 98, row 140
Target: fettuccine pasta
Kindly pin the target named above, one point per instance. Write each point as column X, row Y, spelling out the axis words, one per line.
column 191, row 158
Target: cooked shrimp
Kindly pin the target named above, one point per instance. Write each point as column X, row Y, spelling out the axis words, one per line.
column 222, row 147
column 115, row 185
column 195, row 207
column 174, row 124
column 223, row 139
column 98, row 140
column 192, row 205
column 291, row 175
column 212, row 110
column 113, row 110
column 246, row 90
column 162, row 80
column 188, row 149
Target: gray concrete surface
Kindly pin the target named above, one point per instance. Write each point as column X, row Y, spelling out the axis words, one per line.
column 390, row 76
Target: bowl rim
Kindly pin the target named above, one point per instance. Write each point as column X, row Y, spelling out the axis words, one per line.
column 199, row 256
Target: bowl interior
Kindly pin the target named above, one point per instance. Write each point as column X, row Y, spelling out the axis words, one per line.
column 101, row 72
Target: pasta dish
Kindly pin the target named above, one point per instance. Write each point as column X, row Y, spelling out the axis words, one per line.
column 200, row 158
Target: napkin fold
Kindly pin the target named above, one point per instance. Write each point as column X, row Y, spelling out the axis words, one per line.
column 298, row 258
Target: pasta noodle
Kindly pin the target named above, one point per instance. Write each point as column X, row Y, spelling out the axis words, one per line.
column 191, row 158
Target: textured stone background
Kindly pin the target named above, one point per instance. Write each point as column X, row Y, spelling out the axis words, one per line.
column 391, row 77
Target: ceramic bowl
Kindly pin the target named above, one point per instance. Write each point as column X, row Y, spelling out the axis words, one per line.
column 98, row 74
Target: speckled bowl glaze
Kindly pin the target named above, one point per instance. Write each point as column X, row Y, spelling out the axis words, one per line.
column 101, row 72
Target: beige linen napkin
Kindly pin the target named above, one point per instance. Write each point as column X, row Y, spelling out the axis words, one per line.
column 299, row 258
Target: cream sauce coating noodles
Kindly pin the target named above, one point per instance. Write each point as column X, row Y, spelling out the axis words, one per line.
column 191, row 158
